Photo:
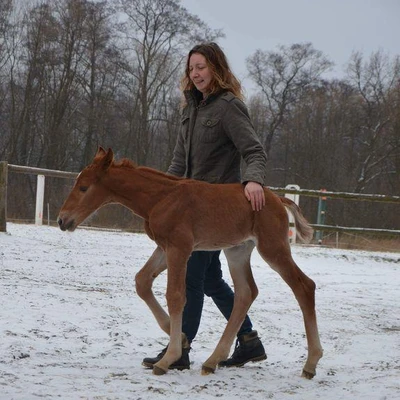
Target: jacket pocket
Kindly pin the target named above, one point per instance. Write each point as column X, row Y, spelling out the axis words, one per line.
column 210, row 130
column 185, row 127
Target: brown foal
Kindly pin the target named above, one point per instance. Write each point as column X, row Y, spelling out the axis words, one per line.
column 183, row 215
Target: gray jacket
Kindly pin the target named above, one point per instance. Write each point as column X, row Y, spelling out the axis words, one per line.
column 214, row 135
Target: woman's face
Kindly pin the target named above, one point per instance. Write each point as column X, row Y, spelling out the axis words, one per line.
column 200, row 73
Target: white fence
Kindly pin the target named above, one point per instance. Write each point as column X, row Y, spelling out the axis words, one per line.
column 292, row 191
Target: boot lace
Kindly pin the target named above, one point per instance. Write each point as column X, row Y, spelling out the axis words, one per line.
column 238, row 350
column 163, row 351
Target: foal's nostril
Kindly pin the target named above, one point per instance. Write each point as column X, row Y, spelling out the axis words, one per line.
column 59, row 221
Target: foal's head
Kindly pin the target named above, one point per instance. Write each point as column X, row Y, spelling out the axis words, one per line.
column 88, row 194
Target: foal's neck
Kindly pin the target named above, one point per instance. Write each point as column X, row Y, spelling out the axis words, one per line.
column 140, row 188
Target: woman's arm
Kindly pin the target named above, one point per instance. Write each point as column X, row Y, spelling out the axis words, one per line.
column 238, row 127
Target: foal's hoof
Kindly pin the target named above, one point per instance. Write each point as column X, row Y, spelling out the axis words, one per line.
column 207, row 370
column 307, row 375
column 158, row 371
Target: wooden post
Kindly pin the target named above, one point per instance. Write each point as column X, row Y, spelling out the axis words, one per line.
column 39, row 200
column 3, row 195
column 295, row 198
column 321, row 216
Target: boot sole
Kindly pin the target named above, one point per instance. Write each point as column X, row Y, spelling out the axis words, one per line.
column 178, row 367
column 255, row 359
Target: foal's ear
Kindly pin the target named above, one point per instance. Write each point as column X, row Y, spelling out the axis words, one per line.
column 107, row 159
column 100, row 152
column 104, row 158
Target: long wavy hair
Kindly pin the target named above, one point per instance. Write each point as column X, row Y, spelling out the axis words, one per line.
column 222, row 76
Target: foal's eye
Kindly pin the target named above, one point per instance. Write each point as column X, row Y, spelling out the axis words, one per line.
column 83, row 188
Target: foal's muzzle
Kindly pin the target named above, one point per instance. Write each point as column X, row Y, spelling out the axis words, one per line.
column 66, row 225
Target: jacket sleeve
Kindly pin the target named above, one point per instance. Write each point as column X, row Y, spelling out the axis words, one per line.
column 238, row 127
column 178, row 163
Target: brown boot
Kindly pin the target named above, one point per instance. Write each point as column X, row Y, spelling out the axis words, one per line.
column 248, row 348
column 181, row 364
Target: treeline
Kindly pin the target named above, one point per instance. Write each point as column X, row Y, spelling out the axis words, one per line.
column 78, row 73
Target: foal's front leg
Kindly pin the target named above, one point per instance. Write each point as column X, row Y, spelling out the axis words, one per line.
column 176, row 298
column 144, row 280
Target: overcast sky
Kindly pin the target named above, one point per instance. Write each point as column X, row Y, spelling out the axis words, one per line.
column 336, row 27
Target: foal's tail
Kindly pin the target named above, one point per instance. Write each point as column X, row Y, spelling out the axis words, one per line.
column 303, row 229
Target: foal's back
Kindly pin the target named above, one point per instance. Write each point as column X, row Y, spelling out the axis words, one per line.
column 219, row 215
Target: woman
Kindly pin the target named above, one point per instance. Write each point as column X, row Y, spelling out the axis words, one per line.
column 216, row 133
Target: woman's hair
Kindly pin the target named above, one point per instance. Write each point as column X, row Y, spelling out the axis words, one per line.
column 223, row 78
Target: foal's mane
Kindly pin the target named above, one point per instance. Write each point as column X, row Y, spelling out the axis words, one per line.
column 126, row 163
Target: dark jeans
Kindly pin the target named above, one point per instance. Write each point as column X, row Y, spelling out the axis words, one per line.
column 204, row 277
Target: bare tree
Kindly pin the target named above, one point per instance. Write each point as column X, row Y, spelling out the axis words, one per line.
column 52, row 41
column 6, row 7
column 6, row 52
column 311, row 148
column 283, row 77
column 374, row 142
column 99, row 77
column 394, row 168
column 156, row 33
column 27, row 83
column 169, row 122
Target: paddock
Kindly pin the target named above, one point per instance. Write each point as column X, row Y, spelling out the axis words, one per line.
column 73, row 327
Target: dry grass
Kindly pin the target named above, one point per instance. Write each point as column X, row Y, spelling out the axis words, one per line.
column 362, row 242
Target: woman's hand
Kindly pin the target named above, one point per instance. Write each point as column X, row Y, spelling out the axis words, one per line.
column 254, row 193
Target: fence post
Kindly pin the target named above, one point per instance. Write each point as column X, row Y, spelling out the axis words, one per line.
column 321, row 216
column 39, row 200
column 3, row 195
column 295, row 198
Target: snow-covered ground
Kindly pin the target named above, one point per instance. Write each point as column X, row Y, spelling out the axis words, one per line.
column 72, row 326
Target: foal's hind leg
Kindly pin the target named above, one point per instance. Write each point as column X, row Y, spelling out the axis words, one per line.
column 280, row 259
column 245, row 292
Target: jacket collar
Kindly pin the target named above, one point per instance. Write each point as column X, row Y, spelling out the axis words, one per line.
column 195, row 97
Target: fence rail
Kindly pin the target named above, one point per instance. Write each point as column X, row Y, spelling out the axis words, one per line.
column 41, row 171
column 340, row 195
column 335, row 228
column 5, row 167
